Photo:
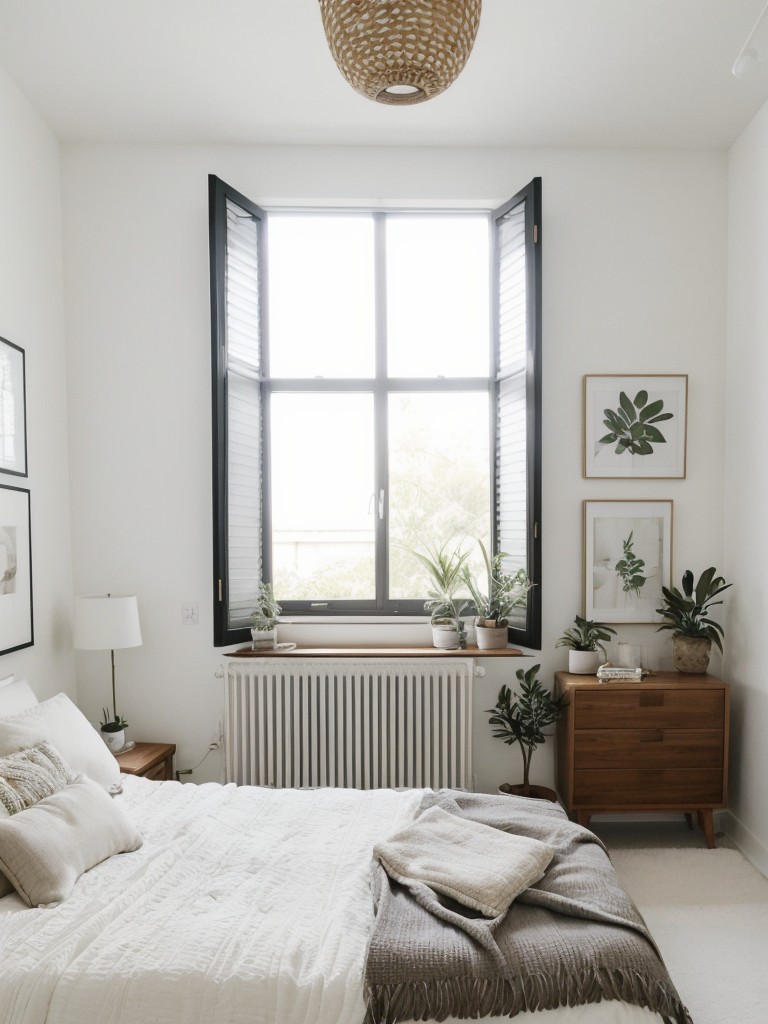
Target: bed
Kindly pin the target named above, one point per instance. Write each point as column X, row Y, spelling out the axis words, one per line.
column 241, row 905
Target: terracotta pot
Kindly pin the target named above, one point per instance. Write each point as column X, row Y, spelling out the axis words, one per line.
column 691, row 653
column 539, row 792
column 584, row 663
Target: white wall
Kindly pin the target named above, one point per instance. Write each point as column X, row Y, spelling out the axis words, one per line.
column 746, row 484
column 634, row 281
column 31, row 316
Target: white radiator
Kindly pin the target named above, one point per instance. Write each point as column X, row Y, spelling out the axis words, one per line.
column 362, row 723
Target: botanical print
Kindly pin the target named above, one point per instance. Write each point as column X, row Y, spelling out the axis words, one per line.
column 635, row 426
column 626, row 559
column 13, row 444
column 8, row 562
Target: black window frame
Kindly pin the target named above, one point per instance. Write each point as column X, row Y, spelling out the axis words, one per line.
column 529, row 635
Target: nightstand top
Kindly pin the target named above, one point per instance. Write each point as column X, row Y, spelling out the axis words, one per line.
column 144, row 756
column 678, row 680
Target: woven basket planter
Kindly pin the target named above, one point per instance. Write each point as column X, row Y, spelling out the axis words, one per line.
column 400, row 52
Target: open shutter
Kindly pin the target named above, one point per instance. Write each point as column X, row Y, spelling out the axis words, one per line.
column 517, row 470
column 236, row 226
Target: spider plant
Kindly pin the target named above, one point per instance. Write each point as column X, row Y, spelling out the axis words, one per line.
column 445, row 569
column 502, row 591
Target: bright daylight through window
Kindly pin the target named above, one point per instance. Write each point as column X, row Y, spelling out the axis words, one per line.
column 376, row 381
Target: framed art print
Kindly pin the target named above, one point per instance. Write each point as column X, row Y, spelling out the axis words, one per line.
column 16, row 628
column 13, row 411
column 635, row 425
column 627, row 559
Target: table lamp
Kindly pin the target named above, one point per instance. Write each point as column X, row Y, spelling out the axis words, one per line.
column 107, row 622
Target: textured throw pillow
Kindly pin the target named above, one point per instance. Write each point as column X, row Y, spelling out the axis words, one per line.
column 30, row 775
column 67, row 729
column 15, row 696
column 47, row 847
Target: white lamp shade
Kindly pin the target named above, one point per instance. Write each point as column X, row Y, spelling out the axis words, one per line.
column 106, row 622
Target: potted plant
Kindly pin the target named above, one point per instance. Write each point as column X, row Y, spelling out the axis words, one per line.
column 445, row 569
column 113, row 731
column 584, row 640
column 264, row 615
column 494, row 602
column 687, row 615
column 521, row 718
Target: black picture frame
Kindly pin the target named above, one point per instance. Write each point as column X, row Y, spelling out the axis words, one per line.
column 13, row 409
column 16, row 614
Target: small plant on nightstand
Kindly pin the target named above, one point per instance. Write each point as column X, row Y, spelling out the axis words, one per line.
column 113, row 731
column 584, row 640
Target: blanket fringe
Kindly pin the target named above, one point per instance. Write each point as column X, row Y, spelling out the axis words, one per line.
column 502, row 997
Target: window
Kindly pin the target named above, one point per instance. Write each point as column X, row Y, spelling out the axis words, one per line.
column 376, row 383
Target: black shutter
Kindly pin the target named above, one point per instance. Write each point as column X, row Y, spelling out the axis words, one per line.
column 517, row 469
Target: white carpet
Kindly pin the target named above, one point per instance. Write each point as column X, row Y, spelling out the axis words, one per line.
column 708, row 911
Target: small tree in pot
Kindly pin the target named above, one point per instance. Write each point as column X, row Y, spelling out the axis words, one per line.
column 687, row 615
column 584, row 640
column 521, row 718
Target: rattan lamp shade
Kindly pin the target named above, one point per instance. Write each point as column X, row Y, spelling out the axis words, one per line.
column 400, row 51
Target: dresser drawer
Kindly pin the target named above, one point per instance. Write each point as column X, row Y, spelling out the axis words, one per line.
column 639, row 708
column 648, row 748
column 658, row 788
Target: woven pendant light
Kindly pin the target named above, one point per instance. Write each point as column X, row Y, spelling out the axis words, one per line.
column 400, row 51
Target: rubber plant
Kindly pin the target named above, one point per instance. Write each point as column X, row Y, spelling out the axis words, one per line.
column 686, row 613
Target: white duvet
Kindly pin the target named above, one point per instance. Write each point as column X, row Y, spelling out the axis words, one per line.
column 243, row 906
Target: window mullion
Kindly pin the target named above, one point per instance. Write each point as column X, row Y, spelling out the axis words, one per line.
column 380, row 412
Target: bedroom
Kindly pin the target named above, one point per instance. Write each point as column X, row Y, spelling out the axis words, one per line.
column 657, row 243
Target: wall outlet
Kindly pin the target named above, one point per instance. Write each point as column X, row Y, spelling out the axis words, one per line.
column 190, row 614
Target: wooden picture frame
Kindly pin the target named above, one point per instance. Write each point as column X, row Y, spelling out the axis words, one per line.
column 13, row 409
column 627, row 559
column 16, row 620
column 635, row 426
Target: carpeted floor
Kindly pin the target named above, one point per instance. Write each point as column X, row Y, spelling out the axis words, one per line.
column 708, row 911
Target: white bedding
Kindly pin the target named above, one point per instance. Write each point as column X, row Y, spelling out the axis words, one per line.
column 243, row 906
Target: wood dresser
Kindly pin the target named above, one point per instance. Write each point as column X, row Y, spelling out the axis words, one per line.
column 656, row 745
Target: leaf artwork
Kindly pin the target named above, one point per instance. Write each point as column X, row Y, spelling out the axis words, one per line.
column 631, row 426
column 630, row 568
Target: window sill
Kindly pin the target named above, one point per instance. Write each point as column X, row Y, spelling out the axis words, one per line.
column 363, row 651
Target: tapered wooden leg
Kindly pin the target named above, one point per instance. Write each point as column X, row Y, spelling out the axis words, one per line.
column 582, row 817
column 689, row 819
column 707, row 825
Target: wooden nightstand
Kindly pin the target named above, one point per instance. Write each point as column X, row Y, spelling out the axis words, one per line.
column 149, row 760
column 656, row 745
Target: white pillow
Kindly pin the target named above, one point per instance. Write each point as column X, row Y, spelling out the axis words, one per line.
column 15, row 696
column 67, row 729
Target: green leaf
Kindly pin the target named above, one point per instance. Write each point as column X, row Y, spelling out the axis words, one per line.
column 608, row 439
column 658, row 419
column 652, row 410
column 628, row 407
column 643, row 448
column 652, row 434
column 640, row 399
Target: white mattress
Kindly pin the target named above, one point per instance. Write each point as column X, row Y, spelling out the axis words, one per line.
column 244, row 906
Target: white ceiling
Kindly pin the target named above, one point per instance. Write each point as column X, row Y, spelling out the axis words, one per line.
column 649, row 73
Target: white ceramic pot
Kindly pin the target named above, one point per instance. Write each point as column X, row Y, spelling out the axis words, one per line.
column 491, row 638
column 445, row 637
column 114, row 740
column 584, row 663
column 264, row 639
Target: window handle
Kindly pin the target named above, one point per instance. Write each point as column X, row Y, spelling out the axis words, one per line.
column 381, row 504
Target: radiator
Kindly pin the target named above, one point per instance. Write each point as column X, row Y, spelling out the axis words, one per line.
column 364, row 723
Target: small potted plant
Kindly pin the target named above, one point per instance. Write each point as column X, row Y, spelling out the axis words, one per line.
column 495, row 600
column 687, row 615
column 265, row 615
column 445, row 569
column 521, row 718
column 113, row 731
column 584, row 640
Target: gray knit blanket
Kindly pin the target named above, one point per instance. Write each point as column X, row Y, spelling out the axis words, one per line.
column 574, row 937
